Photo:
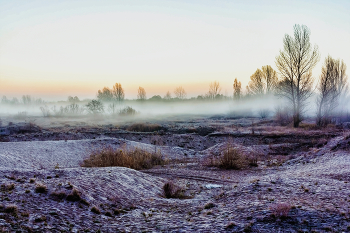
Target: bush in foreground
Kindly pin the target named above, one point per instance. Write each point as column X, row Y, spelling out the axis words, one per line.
column 170, row 190
column 135, row 159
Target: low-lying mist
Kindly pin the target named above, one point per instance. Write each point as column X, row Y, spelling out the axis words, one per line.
column 133, row 110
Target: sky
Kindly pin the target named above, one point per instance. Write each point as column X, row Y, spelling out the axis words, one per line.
column 53, row 49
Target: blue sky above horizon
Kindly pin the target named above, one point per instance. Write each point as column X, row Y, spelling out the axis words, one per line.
column 60, row 48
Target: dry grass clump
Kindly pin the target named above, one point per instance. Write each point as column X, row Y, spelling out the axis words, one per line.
column 170, row 190
column 209, row 205
column 309, row 126
column 74, row 196
column 231, row 158
column 40, row 188
column 58, row 195
column 143, row 127
column 135, row 159
column 280, row 209
column 95, row 210
column 12, row 208
column 7, row 187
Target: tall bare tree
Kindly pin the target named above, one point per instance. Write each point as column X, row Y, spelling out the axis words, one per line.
column 237, row 89
column 332, row 83
column 118, row 92
column 180, row 93
column 295, row 63
column 141, row 94
column 214, row 90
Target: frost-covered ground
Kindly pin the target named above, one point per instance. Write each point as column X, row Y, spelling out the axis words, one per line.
column 314, row 180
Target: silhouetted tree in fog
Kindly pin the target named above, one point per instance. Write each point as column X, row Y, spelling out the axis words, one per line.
column 155, row 98
column 237, row 90
column 167, row 96
column 105, row 95
column 118, row 92
column 214, row 90
column 26, row 99
column 332, row 83
column 295, row 63
column 95, row 106
column 180, row 93
column 74, row 99
column 141, row 94
column 263, row 81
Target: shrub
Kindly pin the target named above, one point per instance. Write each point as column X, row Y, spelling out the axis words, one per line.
column 170, row 190
column 135, row 159
column 283, row 116
column 58, row 195
column 127, row 111
column 231, row 158
column 142, row 127
column 263, row 113
column 74, row 196
column 11, row 208
column 280, row 209
column 95, row 210
column 40, row 188
column 95, row 107
column 109, row 214
column 209, row 205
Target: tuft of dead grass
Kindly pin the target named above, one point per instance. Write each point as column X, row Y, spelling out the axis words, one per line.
column 170, row 190
column 232, row 158
column 280, row 209
column 95, row 210
column 135, row 159
column 144, row 127
column 74, row 196
column 40, row 188
column 12, row 208
column 58, row 195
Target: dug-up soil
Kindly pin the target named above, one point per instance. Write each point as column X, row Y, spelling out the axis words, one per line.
column 45, row 189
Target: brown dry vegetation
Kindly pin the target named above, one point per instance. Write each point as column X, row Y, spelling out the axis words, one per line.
column 231, row 158
column 135, row 158
column 143, row 127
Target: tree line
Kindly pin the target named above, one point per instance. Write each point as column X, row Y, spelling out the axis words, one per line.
column 293, row 81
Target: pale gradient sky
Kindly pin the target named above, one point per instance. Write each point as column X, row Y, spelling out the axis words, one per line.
column 60, row 48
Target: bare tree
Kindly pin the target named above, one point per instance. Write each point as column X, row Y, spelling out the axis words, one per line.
column 263, row 81
column 141, row 94
column 332, row 83
column 105, row 95
column 237, row 89
column 214, row 90
column 180, row 93
column 256, row 85
column 271, row 79
column 118, row 92
column 295, row 63
column 167, row 96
